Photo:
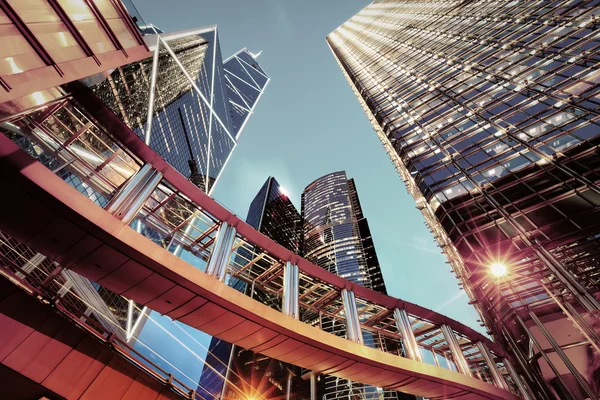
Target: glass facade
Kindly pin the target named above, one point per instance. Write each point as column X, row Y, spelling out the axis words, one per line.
column 245, row 81
column 489, row 111
column 192, row 97
column 272, row 213
column 331, row 235
column 336, row 237
column 39, row 133
column 47, row 43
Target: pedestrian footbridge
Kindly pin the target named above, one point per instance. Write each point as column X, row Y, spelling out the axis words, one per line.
column 98, row 201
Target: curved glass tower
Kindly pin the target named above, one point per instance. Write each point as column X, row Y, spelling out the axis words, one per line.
column 228, row 366
column 489, row 112
column 336, row 237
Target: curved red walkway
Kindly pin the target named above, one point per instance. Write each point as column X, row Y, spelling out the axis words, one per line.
column 46, row 213
column 48, row 356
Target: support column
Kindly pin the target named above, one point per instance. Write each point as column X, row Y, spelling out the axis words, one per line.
column 290, row 290
column 517, row 380
column 221, row 252
column 408, row 337
column 489, row 360
column 130, row 199
column 124, row 194
column 52, row 275
column 288, row 387
column 457, row 354
column 353, row 331
column 435, row 360
column 313, row 386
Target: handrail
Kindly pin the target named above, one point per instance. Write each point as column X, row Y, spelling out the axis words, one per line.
column 33, row 286
column 142, row 151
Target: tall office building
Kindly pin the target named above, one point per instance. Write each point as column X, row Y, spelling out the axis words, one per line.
column 186, row 102
column 83, row 69
column 336, row 237
column 489, row 111
column 336, row 234
column 272, row 213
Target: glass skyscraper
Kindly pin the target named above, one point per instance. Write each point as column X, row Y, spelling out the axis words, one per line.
column 186, row 102
column 336, row 237
column 336, row 234
column 489, row 112
column 272, row 213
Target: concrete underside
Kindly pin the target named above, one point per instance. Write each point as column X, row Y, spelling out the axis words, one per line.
column 43, row 354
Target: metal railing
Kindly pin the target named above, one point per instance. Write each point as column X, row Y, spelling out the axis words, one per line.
column 67, row 303
column 186, row 221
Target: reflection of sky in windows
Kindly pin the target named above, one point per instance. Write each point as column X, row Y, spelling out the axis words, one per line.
column 486, row 154
column 331, row 238
column 186, row 350
column 485, row 149
column 245, row 80
column 195, row 135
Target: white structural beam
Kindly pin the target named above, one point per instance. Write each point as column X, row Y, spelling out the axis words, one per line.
column 493, row 367
column 221, row 252
column 457, row 354
column 130, row 199
column 408, row 337
column 353, row 331
column 290, row 290
column 516, row 378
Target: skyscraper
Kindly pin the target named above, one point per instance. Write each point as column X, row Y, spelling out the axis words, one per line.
column 336, row 234
column 489, row 112
column 185, row 101
column 272, row 213
column 82, row 69
column 336, row 237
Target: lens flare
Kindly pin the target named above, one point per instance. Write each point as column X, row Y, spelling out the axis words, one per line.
column 498, row 269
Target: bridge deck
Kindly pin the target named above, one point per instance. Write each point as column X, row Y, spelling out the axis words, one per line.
column 46, row 355
column 41, row 210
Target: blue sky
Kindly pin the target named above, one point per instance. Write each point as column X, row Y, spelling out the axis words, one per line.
column 307, row 124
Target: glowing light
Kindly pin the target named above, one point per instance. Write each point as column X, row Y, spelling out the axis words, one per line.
column 14, row 68
column 498, row 269
column 63, row 39
column 38, row 98
column 284, row 193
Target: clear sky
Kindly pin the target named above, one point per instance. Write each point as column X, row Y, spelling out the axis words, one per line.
column 307, row 124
